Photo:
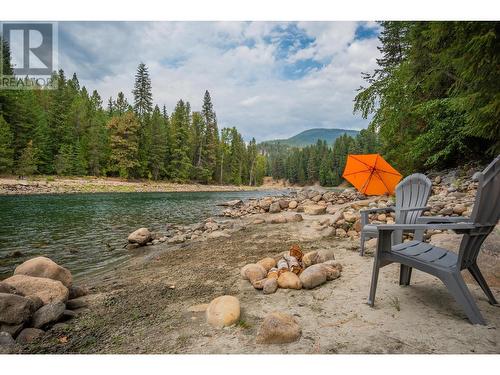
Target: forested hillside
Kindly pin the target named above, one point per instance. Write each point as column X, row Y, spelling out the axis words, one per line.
column 68, row 131
column 435, row 96
column 311, row 136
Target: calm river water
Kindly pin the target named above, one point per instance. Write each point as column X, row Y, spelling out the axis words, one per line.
column 86, row 232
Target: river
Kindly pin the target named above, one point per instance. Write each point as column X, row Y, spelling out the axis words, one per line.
column 87, row 232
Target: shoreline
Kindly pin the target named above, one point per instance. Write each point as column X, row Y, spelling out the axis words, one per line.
column 74, row 185
column 152, row 302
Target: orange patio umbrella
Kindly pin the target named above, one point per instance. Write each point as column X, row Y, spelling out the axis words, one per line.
column 371, row 174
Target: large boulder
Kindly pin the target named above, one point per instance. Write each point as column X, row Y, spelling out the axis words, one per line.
column 289, row 280
column 223, row 311
column 274, row 208
column 253, row 272
column 278, row 328
column 47, row 289
column 14, row 309
column 45, row 267
column 47, row 314
column 314, row 210
column 313, row 276
column 13, row 329
column 141, row 236
column 28, row 335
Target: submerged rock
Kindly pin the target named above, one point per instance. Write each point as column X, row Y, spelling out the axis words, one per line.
column 141, row 236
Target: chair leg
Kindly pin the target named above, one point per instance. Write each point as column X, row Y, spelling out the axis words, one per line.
column 404, row 275
column 456, row 285
column 373, row 286
column 476, row 273
column 362, row 248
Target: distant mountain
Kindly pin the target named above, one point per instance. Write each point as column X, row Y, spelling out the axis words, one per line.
column 311, row 136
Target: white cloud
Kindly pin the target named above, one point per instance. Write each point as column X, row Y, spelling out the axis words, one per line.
column 235, row 62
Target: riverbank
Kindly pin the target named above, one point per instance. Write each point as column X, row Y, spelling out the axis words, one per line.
column 60, row 185
column 153, row 303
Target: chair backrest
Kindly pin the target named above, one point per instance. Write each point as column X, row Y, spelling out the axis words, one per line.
column 413, row 191
column 485, row 214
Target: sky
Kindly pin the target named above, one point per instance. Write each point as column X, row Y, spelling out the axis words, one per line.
column 269, row 79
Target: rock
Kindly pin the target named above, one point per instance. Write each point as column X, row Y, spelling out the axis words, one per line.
column 352, row 233
column 12, row 329
column 267, row 263
column 279, row 219
column 333, row 263
column 297, row 218
column 68, row 314
column 317, row 198
column 36, row 302
column 258, row 221
column 77, row 303
column 49, row 313
column 339, row 232
column 437, row 180
column 219, row 234
column 293, row 205
column 45, row 267
column 47, row 289
column 28, row 335
column 258, row 284
column 382, row 217
column 14, row 309
column 349, row 216
column 6, row 339
column 446, row 211
column 332, row 271
column 371, row 246
column 289, row 280
column 253, row 272
column 265, row 203
column 475, row 176
column 141, row 236
column 310, row 258
column 6, row 288
column 274, row 208
column 459, row 209
column 313, row 276
column 77, row 291
column 357, row 226
column 211, row 226
column 156, row 242
column 233, row 203
column 278, row 328
column 223, row 311
column 314, row 210
column 283, row 203
column 270, row 286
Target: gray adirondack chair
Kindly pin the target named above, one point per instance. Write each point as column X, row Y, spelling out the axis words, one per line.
column 412, row 194
column 442, row 263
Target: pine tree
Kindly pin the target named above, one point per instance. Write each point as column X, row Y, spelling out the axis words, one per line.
column 6, row 149
column 158, row 144
column 121, row 105
column 143, row 97
column 27, row 164
column 180, row 163
column 210, row 143
column 124, row 144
